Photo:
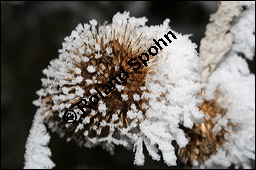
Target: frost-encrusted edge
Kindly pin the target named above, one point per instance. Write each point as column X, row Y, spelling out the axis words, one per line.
column 37, row 154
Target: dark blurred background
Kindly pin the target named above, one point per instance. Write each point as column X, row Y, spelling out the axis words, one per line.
column 32, row 33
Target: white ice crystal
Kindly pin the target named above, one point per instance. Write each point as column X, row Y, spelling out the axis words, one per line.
column 91, row 69
column 124, row 97
column 235, row 85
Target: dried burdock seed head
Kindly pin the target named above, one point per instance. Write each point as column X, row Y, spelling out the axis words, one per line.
column 203, row 141
column 137, row 98
column 100, row 69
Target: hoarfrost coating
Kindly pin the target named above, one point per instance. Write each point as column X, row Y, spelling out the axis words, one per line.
column 150, row 107
column 37, row 153
column 236, row 87
column 158, row 106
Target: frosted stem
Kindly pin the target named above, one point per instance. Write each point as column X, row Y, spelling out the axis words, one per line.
column 37, row 154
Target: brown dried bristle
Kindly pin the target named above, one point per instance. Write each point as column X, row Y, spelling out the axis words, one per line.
column 107, row 69
column 202, row 142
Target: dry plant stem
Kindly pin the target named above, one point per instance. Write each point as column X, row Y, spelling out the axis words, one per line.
column 218, row 39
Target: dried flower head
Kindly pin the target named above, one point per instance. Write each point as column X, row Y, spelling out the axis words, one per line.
column 234, row 129
column 147, row 108
column 203, row 141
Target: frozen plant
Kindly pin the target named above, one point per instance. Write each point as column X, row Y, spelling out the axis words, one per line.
column 165, row 105
column 236, row 87
column 146, row 110
column 227, row 135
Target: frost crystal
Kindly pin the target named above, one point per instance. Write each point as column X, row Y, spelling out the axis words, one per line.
column 91, row 69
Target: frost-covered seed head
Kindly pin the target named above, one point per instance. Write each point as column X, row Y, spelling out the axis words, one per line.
column 95, row 54
column 203, row 142
column 144, row 109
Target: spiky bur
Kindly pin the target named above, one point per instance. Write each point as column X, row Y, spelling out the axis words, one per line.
column 203, row 142
column 96, row 65
column 146, row 108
